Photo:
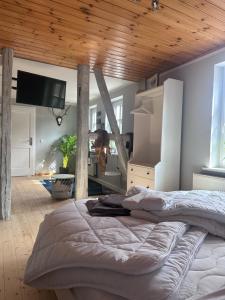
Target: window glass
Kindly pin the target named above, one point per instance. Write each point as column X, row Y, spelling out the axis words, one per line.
column 93, row 118
column 118, row 110
column 217, row 149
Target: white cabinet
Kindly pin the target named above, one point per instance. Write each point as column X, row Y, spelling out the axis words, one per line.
column 157, row 137
column 140, row 175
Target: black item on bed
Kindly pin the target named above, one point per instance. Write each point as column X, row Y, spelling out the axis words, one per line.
column 107, row 207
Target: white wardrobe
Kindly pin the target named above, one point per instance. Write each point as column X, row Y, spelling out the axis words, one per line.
column 157, row 138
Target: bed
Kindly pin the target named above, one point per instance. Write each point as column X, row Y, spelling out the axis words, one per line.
column 134, row 269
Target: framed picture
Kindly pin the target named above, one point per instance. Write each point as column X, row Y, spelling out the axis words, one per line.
column 152, row 82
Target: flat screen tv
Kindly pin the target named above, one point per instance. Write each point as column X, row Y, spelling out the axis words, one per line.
column 40, row 90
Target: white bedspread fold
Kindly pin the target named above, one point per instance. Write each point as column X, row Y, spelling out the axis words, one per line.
column 210, row 226
column 200, row 208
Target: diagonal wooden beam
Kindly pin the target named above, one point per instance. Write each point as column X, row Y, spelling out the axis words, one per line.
column 83, row 77
column 106, row 100
column 5, row 141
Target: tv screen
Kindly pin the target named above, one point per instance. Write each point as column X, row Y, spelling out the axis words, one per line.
column 40, row 90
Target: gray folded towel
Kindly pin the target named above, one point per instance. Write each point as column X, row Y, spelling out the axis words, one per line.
column 112, row 200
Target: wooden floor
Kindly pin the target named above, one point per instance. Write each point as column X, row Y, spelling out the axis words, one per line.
column 30, row 202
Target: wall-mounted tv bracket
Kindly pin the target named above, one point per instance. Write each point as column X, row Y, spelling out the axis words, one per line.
column 14, row 87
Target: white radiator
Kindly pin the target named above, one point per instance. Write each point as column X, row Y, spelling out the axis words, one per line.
column 208, row 182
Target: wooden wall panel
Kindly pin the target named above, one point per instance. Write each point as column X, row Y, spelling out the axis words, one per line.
column 125, row 37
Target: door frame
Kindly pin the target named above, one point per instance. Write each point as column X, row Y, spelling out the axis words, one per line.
column 32, row 111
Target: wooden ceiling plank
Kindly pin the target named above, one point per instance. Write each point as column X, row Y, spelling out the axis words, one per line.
column 70, row 66
column 171, row 16
column 180, row 50
column 49, row 48
column 59, row 10
column 202, row 15
column 215, row 13
column 100, row 17
column 146, row 18
column 115, row 57
column 73, row 62
column 43, row 52
column 150, row 30
column 69, row 25
column 197, row 9
column 147, row 68
column 218, row 3
column 135, row 53
column 36, row 57
column 153, row 49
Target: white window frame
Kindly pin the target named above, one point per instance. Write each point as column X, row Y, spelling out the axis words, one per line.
column 115, row 102
column 93, row 115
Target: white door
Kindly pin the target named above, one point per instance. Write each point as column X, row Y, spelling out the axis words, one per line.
column 23, row 141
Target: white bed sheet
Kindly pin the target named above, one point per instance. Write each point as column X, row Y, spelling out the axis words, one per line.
column 207, row 275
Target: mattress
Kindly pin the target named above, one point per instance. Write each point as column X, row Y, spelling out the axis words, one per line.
column 206, row 276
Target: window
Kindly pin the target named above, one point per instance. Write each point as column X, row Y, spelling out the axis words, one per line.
column 112, row 146
column 217, row 150
column 118, row 110
column 92, row 118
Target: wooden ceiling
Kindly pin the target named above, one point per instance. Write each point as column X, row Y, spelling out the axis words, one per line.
column 125, row 37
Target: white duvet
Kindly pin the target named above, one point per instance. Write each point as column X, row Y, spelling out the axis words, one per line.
column 126, row 256
column 200, row 208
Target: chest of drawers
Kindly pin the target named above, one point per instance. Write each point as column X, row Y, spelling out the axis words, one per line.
column 140, row 175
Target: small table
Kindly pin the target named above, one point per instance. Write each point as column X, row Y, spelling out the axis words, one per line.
column 62, row 186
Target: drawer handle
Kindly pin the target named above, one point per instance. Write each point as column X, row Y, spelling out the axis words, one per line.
column 148, row 187
column 148, row 173
column 132, row 169
column 131, row 181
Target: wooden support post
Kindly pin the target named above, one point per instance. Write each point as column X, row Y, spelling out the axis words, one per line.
column 112, row 119
column 5, row 141
column 83, row 74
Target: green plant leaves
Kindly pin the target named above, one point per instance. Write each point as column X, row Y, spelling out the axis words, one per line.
column 67, row 146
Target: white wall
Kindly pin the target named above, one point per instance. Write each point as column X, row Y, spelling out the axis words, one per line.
column 197, row 110
column 47, row 132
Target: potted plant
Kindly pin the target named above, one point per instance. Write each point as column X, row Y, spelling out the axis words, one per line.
column 67, row 146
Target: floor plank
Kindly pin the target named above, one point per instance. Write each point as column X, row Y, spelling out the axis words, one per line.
column 30, row 202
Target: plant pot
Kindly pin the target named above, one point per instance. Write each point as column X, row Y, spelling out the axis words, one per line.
column 63, row 170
